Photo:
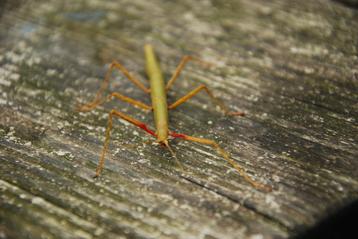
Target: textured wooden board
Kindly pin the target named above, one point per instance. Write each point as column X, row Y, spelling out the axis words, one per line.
column 291, row 66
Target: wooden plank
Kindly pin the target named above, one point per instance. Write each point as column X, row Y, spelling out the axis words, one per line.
column 291, row 66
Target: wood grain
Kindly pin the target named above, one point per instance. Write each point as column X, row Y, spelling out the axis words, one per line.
column 291, row 66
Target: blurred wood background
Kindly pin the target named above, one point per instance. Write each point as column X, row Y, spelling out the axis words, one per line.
column 292, row 66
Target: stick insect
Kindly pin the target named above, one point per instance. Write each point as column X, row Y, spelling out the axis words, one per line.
column 158, row 92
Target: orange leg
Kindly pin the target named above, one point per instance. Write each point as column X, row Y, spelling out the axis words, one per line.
column 115, row 65
column 213, row 98
column 180, row 67
column 90, row 106
column 108, row 134
column 226, row 156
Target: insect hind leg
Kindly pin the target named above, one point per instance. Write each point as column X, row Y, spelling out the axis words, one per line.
column 180, row 67
column 104, row 85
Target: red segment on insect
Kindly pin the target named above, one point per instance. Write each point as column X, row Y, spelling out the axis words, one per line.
column 143, row 126
column 175, row 135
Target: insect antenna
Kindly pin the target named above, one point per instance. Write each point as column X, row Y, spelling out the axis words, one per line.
column 174, row 155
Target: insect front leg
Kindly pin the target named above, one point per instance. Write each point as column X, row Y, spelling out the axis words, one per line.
column 118, row 114
column 226, row 156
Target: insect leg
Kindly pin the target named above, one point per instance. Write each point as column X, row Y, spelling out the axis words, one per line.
column 180, row 67
column 105, row 83
column 108, row 134
column 213, row 98
column 226, row 156
column 92, row 105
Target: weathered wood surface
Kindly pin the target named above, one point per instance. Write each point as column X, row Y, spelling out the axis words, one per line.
column 292, row 66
